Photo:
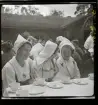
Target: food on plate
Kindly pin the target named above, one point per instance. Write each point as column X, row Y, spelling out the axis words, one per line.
column 80, row 82
column 55, row 85
column 67, row 82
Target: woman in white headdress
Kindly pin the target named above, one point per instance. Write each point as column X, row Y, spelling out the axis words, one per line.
column 61, row 38
column 19, row 68
column 36, row 49
column 66, row 64
column 45, row 62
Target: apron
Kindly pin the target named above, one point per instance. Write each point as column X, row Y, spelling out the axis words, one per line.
column 25, row 75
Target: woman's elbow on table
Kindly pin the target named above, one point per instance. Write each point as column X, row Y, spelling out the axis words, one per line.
column 8, row 76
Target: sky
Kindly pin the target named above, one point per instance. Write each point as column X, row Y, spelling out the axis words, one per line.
column 68, row 9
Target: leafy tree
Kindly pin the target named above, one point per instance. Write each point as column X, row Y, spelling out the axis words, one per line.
column 85, row 10
column 56, row 13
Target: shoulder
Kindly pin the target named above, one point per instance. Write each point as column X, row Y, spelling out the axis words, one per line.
column 7, row 66
column 89, row 39
column 30, row 61
column 8, row 69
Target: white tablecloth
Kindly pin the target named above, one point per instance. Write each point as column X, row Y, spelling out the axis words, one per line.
column 67, row 90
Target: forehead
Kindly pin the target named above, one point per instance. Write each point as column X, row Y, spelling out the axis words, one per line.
column 26, row 46
column 66, row 47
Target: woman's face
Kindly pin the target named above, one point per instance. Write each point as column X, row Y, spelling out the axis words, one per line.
column 66, row 52
column 24, row 51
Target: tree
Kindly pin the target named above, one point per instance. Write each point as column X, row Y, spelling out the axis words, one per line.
column 56, row 13
column 22, row 10
column 7, row 10
column 85, row 10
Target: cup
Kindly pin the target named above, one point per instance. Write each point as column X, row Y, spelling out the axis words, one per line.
column 14, row 86
column 91, row 76
column 22, row 93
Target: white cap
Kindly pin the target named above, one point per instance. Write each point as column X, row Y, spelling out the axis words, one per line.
column 19, row 42
column 36, row 49
column 47, row 52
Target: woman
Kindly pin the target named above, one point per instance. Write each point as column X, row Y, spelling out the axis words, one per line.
column 19, row 68
column 78, row 53
column 59, row 39
column 89, row 64
column 66, row 64
column 45, row 62
column 77, row 47
column 7, row 52
column 89, row 43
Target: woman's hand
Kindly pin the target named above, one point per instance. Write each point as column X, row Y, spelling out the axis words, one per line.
column 27, row 82
column 48, row 80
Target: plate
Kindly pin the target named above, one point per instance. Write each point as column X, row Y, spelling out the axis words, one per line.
column 55, row 85
column 80, row 82
column 36, row 92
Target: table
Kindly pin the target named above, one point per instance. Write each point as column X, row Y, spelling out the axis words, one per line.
column 67, row 90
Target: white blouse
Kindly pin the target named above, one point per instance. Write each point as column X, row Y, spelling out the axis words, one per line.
column 67, row 69
column 13, row 72
column 89, row 43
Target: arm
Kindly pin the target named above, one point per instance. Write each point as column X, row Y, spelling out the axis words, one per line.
column 56, row 70
column 8, row 76
column 33, row 71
